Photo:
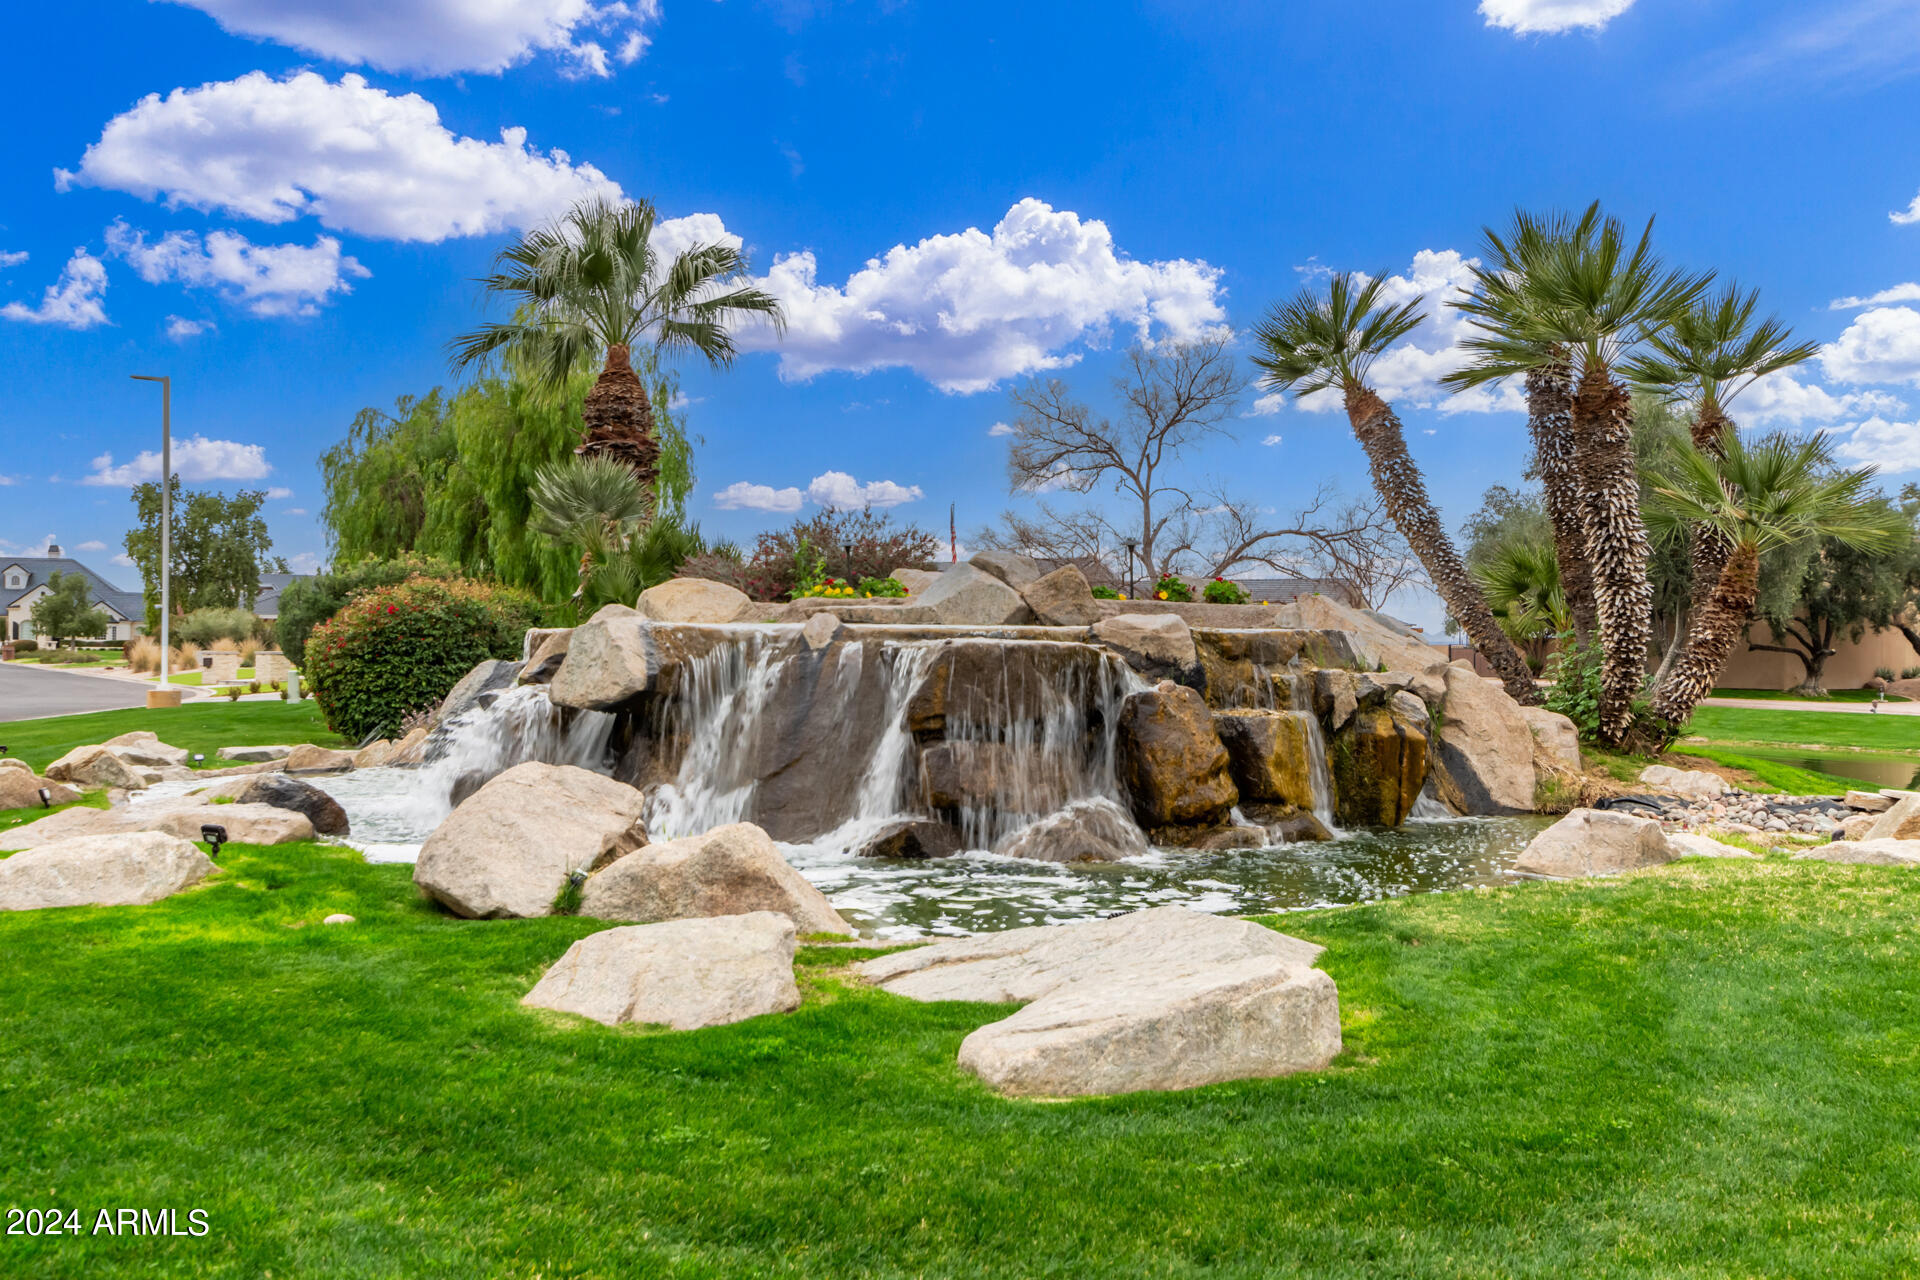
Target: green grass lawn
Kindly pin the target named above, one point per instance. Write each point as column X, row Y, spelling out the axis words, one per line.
column 1777, row 775
column 203, row 727
column 1707, row 1070
column 1812, row 728
column 73, row 658
column 1788, row 695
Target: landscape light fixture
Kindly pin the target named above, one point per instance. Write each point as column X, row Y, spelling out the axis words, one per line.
column 199, row 757
column 46, row 798
column 1131, row 543
column 3, row 751
column 847, row 548
column 214, row 834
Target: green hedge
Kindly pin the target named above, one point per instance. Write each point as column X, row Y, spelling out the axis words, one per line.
column 398, row 649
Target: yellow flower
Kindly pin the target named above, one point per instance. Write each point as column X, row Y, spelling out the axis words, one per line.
column 1160, row 595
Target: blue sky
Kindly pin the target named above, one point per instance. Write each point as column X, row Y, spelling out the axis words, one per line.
column 282, row 203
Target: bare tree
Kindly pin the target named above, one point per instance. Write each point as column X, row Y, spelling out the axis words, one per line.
column 1176, row 395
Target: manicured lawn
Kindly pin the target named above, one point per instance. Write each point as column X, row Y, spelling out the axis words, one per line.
column 202, row 727
column 1787, row 695
column 73, row 658
column 1777, row 775
column 1702, row 1071
column 1812, row 728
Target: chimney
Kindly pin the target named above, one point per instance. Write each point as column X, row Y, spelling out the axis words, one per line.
column 53, row 551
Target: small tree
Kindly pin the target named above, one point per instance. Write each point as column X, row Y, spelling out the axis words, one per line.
column 220, row 548
column 1815, row 595
column 67, row 611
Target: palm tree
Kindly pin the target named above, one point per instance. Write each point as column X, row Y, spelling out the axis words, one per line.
column 590, row 287
column 1712, row 352
column 592, row 504
column 1498, row 304
column 1754, row 498
column 1521, row 579
column 1328, row 342
column 1597, row 295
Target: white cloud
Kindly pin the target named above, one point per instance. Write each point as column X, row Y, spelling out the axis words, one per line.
column 194, row 459
column 12, row 258
column 741, row 496
column 93, row 544
column 1908, row 216
column 293, row 511
column 269, row 279
column 1881, row 345
column 1270, row 441
column 838, row 489
column 1898, row 293
column 1780, row 399
column 304, row 562
column 1000, row 429
column 1528, row 17
column 179, row 328
column 445, row 37
column 354, row 156
column 29, row 549
column 1408, row 375
column 1267, row 405
column 1887, row 446
column 969, row 310
column 124, row 560
column 278, row 492
column 6, row 480
column 76, row 301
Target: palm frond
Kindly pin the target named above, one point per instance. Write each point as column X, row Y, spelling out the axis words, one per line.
column 1318, row 341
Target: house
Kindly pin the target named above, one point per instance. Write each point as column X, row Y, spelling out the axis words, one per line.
column 267, row 603
column 1287, row 590
column 23, row 581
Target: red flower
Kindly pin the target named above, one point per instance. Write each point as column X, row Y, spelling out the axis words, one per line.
column 392, row 609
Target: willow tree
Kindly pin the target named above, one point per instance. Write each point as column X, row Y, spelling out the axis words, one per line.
column 591, row 287
column 1327, row 342
column 1596, row 293
column 1712, row 352
column 1754, row 499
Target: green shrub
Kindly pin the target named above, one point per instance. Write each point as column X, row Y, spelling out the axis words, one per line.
column 399, row 649
column 26, row 646
column 1884, row 673
column 1575, row 692
column 1172, row 588
column 206, row 626
column 308, row 602
column 232, row 692
column 1910, row 673
column 1101, row 591
column 888, row 588
column 1220, row 591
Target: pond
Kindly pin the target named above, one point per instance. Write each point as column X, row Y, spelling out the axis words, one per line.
column 981, row 893
column 1875, row 770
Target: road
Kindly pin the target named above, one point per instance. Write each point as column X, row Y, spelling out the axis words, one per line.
column 28, row 692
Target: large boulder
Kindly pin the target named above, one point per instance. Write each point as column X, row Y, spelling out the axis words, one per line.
column 1868, row 801
column 254, row 755
column 122, row 870
column 997, row 775
column 1691, row 844
column 1155, row 644
column 909, row 838
column 1869, row 853
column 916, row 581
column 1555, row 737
column 1379, row 765
column 1901, row 822
column 1596, row 842
column 97, row 766
column 479, row 688
column 1160, row 999
column 547, row 649
column 143, row 747
column 606, row 663
column 682, row 974
column 1270, row 754
column 967, row 595
column 1483, row 756
column 1012, row 568
column 1171, row 761
column 307, row 758
column 183, row 817
column 374, row 754
column 984, row 682
column 1062, row 599
column 728, row 871
column 509, row 848
column 20, row 789
column 1094, row 830
column 282, row 792
column 1377, row 644
column 694, row 600
column 1694, row 784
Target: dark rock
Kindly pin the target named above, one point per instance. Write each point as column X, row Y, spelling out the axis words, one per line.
column 1085, row 831
column 961, row 775
column 282, row 792
column 1285, row 824
column 1271, row 755
column 911, row 838
column 1171, row 761
column 1379, row 764
column 1241, row 668
column 1008, row 682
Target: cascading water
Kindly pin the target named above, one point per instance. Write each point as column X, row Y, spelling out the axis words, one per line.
column 520, row 725
column 1317, row 771
column 719, row 713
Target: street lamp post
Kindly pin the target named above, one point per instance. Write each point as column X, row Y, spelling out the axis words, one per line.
column 166, row 518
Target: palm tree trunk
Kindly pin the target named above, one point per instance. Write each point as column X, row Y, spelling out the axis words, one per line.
column 1708, row 550
column 619, row 418
column 1616, row 544
column 1549, row 419
column 1401, row 487
column 1718, row 628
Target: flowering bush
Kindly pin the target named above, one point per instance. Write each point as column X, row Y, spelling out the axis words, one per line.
column 400, row 648
column 1172, row 588
column 785, row 562
column 1220, row 591
column 891, row 588
column 827, row 588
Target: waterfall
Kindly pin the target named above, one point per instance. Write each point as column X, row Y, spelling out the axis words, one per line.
column 518, row 726
column 1317, row 771
column 719, row 713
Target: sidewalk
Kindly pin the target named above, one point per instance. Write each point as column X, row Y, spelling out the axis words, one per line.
column 1843, row 708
